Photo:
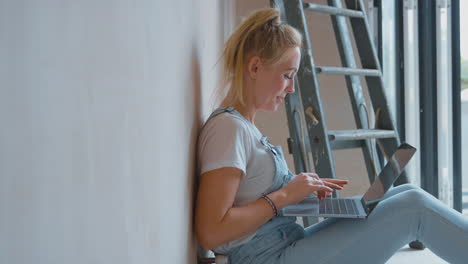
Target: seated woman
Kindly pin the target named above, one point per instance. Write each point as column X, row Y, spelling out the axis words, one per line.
column 245, row 180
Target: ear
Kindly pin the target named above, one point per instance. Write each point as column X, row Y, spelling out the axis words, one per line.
column 253, row 66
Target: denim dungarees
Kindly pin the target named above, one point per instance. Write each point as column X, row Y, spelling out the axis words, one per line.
column 278, row 232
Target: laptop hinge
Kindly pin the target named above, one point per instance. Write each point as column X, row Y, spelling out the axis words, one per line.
column 363, row 202
column 369, row 206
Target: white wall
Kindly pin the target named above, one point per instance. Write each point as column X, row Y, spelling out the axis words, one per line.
column 100, row 105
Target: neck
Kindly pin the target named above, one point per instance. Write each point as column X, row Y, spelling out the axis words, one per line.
column 246, row 111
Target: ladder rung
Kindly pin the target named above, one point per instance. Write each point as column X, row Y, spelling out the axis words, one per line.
column 347, row 71
column 359, row 134
column 352, row 144
column 333, row 10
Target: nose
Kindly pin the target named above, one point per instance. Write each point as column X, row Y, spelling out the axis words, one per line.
column 290, row 88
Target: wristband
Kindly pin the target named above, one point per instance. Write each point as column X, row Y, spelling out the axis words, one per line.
column 272, row 204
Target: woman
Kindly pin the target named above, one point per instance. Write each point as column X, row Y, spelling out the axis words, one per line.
column 245, row 179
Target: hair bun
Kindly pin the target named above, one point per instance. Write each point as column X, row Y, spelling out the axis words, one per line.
column 272, row 23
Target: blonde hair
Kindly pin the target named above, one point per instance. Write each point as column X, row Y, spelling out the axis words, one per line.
column 261, row 34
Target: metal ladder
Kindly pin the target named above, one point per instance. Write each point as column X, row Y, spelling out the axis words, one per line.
column 320, row 141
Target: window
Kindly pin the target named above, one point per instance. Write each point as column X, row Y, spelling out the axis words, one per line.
column 418, row 59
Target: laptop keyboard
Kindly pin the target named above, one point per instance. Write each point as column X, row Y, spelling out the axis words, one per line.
column 337, row 206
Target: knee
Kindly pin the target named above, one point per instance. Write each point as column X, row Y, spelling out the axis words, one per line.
column 407, row 187
column 417, row 197
column 401, row 188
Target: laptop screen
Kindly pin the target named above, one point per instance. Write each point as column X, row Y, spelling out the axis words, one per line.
column 389, row 173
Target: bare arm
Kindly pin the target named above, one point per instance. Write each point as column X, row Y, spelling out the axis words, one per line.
column 217, row 222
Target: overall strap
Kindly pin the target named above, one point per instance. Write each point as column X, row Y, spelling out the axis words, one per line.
column 219, row 111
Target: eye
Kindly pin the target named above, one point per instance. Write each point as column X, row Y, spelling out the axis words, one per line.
column 287, row 77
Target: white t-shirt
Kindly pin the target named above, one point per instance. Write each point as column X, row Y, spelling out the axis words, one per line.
column 229, row 140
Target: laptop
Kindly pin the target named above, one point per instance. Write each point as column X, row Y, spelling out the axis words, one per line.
column 355, row 207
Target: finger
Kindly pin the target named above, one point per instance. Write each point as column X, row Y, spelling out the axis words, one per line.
column 325, row 195
column 332, row 185
column 316, row 182
column 317, row 194
column 336, row 181
column 321, row 194
column 313, row 175
column 323, row 188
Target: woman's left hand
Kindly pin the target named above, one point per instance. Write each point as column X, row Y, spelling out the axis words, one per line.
column 332, row 183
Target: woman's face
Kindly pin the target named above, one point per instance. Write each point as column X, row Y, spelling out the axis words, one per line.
column 274, row 82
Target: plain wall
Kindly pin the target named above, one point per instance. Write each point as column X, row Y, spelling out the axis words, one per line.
column 100, row 106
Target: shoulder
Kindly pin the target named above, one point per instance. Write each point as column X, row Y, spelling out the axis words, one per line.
column 226, row 122
column 226, row 130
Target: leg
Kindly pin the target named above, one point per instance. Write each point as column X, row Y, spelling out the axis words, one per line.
column 401, row 218
column 399, row 189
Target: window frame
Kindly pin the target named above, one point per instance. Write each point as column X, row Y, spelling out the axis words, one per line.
column 427, row 34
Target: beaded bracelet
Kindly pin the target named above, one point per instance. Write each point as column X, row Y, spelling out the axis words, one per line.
column 271, row 203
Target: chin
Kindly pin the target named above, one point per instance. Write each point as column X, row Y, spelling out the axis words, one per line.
column 273, row 108
column 270, row 108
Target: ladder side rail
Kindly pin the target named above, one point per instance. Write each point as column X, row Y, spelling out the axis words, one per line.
column 369, row 59
column 292, row 103
column 294, row 100
column 310, row 95
column 355, row 90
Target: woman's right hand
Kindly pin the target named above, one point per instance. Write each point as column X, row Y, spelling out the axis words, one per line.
column 304, row 184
